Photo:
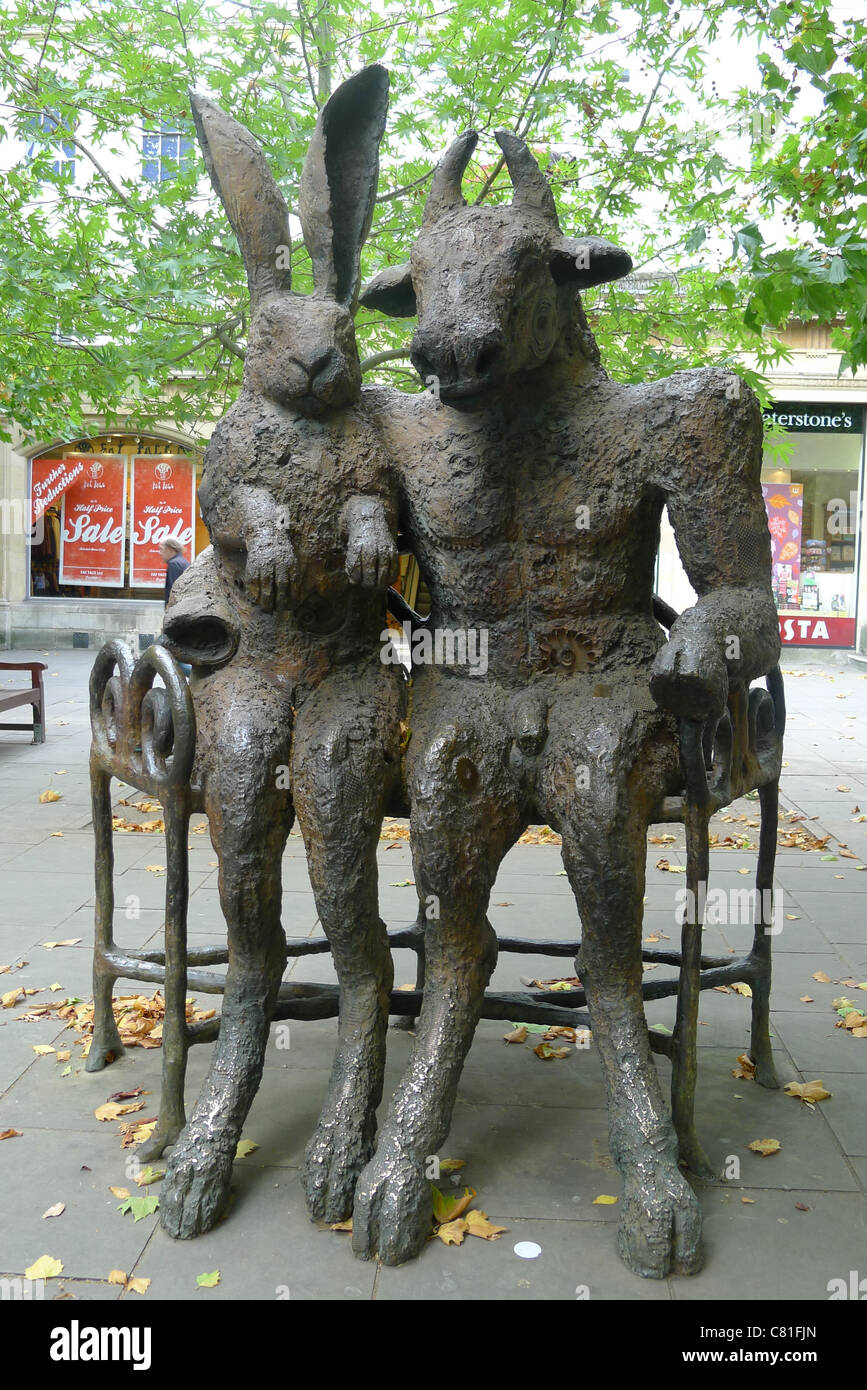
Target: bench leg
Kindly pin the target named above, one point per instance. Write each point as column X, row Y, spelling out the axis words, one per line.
column 684, row 1064
column 760, row 1037
column 176, row 812
column 105, row 1045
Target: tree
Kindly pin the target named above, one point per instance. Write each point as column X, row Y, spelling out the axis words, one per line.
column 116, row 288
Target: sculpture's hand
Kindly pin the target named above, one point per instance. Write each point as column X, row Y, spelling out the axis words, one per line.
column 271, row 569
column 371, row 554
column 689, row 676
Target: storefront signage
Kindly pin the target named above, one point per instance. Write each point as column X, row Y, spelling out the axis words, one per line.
column 93, row 524
column 806, row 631
column 49, row 479
column 162, row 508
column 816, row 417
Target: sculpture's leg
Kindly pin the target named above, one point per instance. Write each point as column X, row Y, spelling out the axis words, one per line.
column 250, row 817
column 760, row 1039
column 466, row 813
column 346, row 756
column 601, row 785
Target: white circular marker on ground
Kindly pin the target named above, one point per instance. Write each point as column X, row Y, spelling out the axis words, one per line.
column 527, row 1249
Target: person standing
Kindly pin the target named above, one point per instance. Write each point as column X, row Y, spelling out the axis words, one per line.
column 172, row 553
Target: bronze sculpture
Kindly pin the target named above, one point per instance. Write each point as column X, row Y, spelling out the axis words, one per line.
column 533, row 440
column 296, row 495
column 531, row 488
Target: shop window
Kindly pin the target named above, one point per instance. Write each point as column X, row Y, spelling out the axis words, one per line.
column 99, row 509
column 812, row 506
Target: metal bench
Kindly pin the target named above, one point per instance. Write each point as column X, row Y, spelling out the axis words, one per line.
column 34, row 696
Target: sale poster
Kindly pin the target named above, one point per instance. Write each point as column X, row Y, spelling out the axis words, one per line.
column 784, row 503
column 162, row 508
column 93, row 524
column 50, row 478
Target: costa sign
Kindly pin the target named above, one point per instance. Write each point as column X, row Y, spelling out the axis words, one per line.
column 812, row 631
column 162, row 508
column 93, row 524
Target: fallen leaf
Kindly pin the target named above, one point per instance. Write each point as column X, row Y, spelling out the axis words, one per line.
column 117, row 1276
column 807, row 999
column 139, row 1285
column 51, row 945
column 42, row 1049
column 404, row 883
column 46, row 1267
column 821, row 977
column 341, row 1225
column 519, row 1035
column 10, row 1133
column 743, row 989
column 139, row 1206
column 452, row 1232
column 604, row 1201
column 477, row 1224
column 749, row 1201
column 55, row 1210
column 155, row 868
column 120, row 1192
column 9, row 999
column 807, row 1090
column 112, row 1111
column 50, row 795
column 129, row 1095
column 801, row 1206
column 451, row 1165
column 146, row 1176
column 447, row 1208
column 765, row 1147
column 208, row 1281
column 245, row 1147
column 842, row 787
column 746, row 1068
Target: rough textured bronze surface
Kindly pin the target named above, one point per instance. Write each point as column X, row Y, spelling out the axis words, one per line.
column 531, row 488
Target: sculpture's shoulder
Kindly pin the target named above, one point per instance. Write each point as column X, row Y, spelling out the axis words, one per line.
column 702, row 423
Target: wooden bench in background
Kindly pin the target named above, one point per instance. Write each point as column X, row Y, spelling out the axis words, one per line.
column 34, row 696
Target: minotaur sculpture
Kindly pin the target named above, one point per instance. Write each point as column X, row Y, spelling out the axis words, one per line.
column 531, row 488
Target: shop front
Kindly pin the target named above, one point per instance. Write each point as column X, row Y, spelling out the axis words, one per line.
column 88, row 565
column 813, row 492
column 813, row 507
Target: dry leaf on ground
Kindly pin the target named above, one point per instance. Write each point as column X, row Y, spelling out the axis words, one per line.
column 765, row 1147
column 807, row 1090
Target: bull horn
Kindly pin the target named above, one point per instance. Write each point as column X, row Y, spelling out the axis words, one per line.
column 532, row 190
column 445, row 191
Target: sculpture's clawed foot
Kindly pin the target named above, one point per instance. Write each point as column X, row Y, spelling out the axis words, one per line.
column 195, row 1191
column 660, row 1231
column 333, row 1161
column 393, row 1208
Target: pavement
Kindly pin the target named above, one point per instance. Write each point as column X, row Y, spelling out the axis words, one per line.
column 532, row 1133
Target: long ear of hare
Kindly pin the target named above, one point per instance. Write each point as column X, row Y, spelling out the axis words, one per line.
column 338, row 184
column 254, row 204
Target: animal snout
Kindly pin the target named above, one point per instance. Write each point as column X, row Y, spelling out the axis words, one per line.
column 463, row 369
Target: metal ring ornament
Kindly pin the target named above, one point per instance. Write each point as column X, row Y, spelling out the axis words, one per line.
column 138, row 729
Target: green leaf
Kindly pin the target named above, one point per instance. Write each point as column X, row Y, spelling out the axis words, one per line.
column 139, row 1206
column 208, row 1281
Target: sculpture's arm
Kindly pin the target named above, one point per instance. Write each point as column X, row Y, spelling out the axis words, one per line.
column 249, row 531
column 711, row 480
column 371, row 553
